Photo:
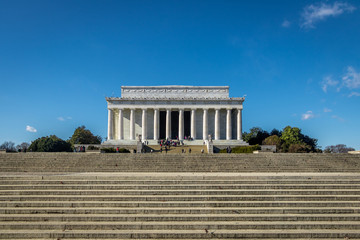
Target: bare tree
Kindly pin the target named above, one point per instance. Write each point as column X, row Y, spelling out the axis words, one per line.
column 340, row 148
column 8, row 146
column 23, row 146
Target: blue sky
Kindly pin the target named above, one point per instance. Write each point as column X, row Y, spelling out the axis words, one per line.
column 297, row 62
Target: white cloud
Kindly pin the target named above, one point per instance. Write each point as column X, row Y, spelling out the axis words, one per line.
column 64, row 118
column 338, row 118
column 327, row 110
column 30, row 129
column 286, row 23
column 328, row 81
column 352, row 78
column 314, row 13
column 356, row 94
column 308, row 115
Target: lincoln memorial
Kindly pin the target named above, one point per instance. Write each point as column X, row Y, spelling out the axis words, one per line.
column 199, row 113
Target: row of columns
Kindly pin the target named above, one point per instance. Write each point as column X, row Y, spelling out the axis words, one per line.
column 181, row 124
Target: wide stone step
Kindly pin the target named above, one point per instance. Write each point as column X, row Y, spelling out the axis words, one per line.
column 172, row 204
column 181, row 234
column 176, row 193
column 169, row 198
column 178, row 225
column 179, row 186
column 179, row 217
column 184, row 210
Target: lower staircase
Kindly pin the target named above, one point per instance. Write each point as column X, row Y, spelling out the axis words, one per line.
column 175, row 205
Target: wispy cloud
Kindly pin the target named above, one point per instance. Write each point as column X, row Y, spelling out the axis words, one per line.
column 328, row 81
column 30, row 129
column 308, row 115
column 338, row 118
column 350, row 81
column 314, row 13
column 354, row 94
column 286, row 23
column 64, row 118
column 326, row 110
column 352, row 78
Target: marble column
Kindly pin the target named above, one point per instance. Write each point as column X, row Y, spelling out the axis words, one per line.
column 205, row 124
column 181, row 124
column 156, row 124
column 217, row 124
column 193, row 123
column 228, row 125
column 110, row 124
column 121, row 125
column 168, row 123
column 143, row 125
column 132, row 124
column 239, row 124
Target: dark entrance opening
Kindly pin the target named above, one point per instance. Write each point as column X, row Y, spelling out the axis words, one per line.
column 162, row 125
column 174, row 124
column 187, row 123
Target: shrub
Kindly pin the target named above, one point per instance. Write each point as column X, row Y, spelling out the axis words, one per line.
column 113, row 150
column 299, row 148
column 243, row 149
column 93, row 148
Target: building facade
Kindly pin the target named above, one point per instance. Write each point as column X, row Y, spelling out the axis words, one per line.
column 175, row 112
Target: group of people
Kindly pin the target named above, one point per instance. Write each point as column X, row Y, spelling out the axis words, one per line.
column 228, row 149
column 79, row 149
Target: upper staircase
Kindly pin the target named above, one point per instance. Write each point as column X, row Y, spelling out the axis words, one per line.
column 179, row 196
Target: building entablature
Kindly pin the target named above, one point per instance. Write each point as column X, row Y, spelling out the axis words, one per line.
column 173, row 92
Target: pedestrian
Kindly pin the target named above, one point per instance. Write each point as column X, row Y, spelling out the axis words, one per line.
column 189, row 150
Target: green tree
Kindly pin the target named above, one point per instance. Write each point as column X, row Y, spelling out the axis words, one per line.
column 256, row 136
column 273, row 140
column 84, row 136
column 293, row 135
column 50, row 144
column 275, row 132
column 299, row 148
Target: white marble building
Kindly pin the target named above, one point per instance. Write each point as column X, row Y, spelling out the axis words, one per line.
column 171, row 112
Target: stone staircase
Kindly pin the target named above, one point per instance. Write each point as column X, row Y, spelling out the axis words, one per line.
column 180, row 206
column 86, row 196
column 194, row 162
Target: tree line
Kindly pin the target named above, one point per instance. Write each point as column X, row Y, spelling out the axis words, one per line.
column 53, row 143
column 290, row 139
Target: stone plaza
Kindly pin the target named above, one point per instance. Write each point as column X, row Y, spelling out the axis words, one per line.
column 196, row 113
